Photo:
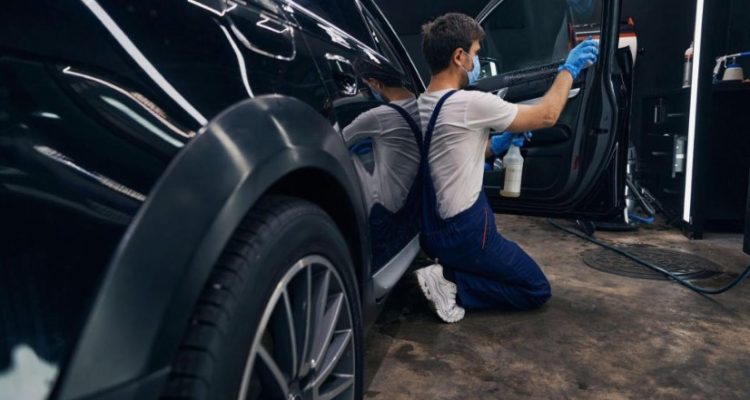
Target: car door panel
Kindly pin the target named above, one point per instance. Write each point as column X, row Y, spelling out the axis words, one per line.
column 568, row 167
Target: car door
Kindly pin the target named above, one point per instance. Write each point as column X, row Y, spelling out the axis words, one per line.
column 575, row 168
column 349, row 41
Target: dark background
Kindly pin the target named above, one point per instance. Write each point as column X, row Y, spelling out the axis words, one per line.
column 665, row 30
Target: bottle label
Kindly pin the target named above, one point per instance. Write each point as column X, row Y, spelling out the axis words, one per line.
column 513, row 179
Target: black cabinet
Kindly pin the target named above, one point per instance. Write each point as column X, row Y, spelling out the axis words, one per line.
column 662, row 153
column 721, row 157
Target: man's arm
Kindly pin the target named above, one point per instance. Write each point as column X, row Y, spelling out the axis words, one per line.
column 545, row 113
column 365, row 125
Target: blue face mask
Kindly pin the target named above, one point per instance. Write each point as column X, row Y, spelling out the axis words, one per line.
column 377, row 96
column 475, row 71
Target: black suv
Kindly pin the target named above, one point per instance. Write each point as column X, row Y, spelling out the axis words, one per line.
column 183, row 215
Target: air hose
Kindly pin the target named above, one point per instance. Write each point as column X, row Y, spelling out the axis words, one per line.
column 676, row 278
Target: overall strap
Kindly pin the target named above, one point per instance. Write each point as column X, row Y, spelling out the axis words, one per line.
column 430, row 220
column 433, row 120
column 409, row 120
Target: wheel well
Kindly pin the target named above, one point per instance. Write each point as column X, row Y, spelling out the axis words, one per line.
column 319, row 187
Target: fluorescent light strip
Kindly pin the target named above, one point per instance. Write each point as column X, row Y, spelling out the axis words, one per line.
column 240, row 61
column 68, row 71
column 207, row 8
column 686, row 208
column 142, row 121
column 141, row 60
column 333, row 27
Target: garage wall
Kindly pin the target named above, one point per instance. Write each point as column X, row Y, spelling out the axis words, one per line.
column 738, row 31
column 665, row 30
column 660, row 62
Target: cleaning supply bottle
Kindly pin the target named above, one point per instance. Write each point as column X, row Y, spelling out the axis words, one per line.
column 513, row 162
column 687, row 73
column 733, row 72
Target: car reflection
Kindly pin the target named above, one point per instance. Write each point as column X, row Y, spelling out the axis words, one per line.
column 383, row 138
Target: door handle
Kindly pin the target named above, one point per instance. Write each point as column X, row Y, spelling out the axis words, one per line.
column 502, row 92
column 571, row 94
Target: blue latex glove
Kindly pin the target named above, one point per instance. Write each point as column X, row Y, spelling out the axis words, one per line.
column 581, row 57
column 501, row 143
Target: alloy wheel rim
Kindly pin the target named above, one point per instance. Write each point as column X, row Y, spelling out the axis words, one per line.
column 303, row 348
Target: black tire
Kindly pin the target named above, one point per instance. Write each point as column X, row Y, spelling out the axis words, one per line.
column 267, row 251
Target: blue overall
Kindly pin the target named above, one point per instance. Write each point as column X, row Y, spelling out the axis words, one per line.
column 489, row 270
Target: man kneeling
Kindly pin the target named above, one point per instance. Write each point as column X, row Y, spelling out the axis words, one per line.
column 476, row 268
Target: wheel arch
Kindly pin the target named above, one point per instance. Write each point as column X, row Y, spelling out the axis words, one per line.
column 270, row 144
column 301, row 183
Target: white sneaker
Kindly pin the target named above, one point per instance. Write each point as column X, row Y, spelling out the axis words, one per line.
column 440, row 292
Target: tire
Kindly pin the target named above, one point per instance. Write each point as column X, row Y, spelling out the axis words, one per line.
column 279, row 316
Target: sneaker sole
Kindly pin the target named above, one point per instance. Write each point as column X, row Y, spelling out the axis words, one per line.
column 434, row 300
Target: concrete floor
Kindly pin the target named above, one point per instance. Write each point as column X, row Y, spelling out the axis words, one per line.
column 601, row 336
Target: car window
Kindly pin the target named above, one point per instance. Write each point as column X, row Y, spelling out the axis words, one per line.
column 522, row 34
column 344, row 14
column 381, row 42
column 587, row 14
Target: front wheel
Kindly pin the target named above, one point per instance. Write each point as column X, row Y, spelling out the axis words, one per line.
column 280, row 316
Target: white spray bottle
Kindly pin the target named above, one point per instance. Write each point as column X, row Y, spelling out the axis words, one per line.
column 513, row 163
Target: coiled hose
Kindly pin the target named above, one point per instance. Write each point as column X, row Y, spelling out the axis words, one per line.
column 676, row 278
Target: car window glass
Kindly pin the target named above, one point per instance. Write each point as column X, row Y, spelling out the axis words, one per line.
column 522, row 34
column 381, row 42
column 587, row 15
column 344, row 14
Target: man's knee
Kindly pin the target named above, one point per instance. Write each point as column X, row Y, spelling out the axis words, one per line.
column 539, row 296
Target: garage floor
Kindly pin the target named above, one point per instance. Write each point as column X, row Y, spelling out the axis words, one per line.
column 600, row 336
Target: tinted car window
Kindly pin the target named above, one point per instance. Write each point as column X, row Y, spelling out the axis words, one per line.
column 586, row 13
column 523, row 34
column 381, row 43
column 345, row 14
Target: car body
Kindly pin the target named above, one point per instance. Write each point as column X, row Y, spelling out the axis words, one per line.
column 135, row 138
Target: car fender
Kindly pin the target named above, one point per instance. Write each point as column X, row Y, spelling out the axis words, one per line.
column 165, row 257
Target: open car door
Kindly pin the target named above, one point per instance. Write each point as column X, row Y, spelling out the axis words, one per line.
column 576, row 168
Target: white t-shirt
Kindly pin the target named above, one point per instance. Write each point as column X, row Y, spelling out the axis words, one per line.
column 459, row 141
column 395, row 152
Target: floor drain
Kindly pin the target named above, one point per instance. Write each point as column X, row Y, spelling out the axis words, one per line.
column 684, row 265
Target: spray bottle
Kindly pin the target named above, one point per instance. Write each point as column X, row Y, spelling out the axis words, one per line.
column 513, row 162
column 732, row 70
column 687, row 73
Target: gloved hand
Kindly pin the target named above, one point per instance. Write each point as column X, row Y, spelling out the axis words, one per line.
column 581, row 57
column 501, row 143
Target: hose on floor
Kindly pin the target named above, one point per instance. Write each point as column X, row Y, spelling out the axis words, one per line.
column 676, row 278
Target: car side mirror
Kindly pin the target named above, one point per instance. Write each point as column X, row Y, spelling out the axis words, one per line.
column 488, row 67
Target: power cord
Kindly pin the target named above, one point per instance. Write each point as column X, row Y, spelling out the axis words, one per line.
column 676, row 278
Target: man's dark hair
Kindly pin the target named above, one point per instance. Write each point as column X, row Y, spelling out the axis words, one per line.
column 444, row 35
